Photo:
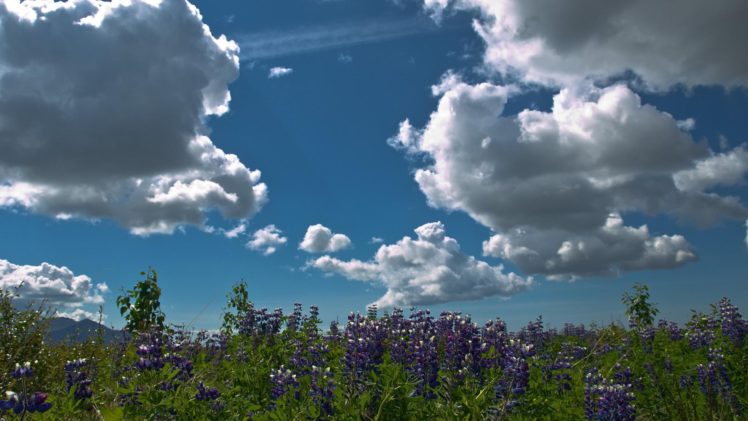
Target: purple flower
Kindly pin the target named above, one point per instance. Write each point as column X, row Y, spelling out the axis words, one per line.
column 515, row 374
column 714, row 380
column 21, row 403
column 76, row 377
column 733, row 325
column 606, row 400
column 22, row 370
column 283, row 381
column 206, row 393
column 322, row 388
column 364, row 346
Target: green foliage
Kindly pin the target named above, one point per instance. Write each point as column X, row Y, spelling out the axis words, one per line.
column 237, row 305
column 638, row 308
column 22, row 333
column 141, row 307
column 666, row 367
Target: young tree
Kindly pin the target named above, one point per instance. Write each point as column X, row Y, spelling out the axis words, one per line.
column 639, row 310
column 238, row 306
column 141, row 307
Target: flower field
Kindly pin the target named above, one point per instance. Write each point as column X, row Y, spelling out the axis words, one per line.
column 266, row 365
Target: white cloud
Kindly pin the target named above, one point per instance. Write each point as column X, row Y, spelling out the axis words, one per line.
column 102, row 115
column 376, row 240
column 320, row 239
column 57, row 285
column 277, row 72
column 80, row 314
column 236, row 231
column 427, row 270
column 267, row 240
column 561, row 43
column 606, row 251
column 345, row 58
column 717, row 170
column 543, row 181
column 301, row 40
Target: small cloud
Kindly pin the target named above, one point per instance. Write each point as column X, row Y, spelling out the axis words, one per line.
column 320, row 239
column 686, row 125
column 277, row 72
column 230, row 18
column 345, row 58
column 376, row 240
column 236, row 231
column 267, row 240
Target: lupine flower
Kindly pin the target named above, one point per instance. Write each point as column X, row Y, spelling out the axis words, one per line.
column 733, row 325
column 283, row 381
column 206, row 393
column 701, row 332
column 322, row 388
column 605, row 400
column 715, row 381
column 422, row 358
column 76, row 378
column 295, row 318
column 22, row 370
column 364, row 346
column 563, row 363
column 19, row 403
column 494, row 340
column 516, row 373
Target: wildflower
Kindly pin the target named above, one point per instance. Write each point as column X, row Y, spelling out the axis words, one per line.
column 206, row 394
column 22, row 370
column 20, row 403
column 732, row 323
column 606, row 400
column 283, row 381
column 76, row 378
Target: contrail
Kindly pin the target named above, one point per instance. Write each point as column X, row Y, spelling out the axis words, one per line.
column 270, row 44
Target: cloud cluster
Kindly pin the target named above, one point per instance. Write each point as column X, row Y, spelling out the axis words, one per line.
column 562, row 43
column 267, row 240
column 429, row 269
column 604, row 251
column 59, row 286
column 548, row 182
column 320, row 239
column 102, row 114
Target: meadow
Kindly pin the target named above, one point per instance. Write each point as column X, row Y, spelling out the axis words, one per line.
column 397, row 365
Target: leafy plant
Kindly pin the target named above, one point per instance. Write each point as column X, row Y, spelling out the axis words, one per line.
column 237, row 307
column 639, row 310
column 141, row 307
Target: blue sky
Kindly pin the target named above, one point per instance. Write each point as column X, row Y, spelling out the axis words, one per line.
column 319, row 135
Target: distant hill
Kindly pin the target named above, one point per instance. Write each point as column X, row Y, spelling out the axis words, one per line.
column 62, row 329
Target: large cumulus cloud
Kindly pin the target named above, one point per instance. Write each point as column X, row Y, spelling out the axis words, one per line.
column 72, row 295
column 665, row 43
column 553, row 185
column 429, row 269
column 103, row 109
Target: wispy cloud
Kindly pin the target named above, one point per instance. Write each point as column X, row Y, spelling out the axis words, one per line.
column 303, row 40
column 277, row 72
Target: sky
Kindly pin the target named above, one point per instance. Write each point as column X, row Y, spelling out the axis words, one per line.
column 502, row 158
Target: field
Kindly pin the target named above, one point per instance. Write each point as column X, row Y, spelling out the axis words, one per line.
column 266, row 365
